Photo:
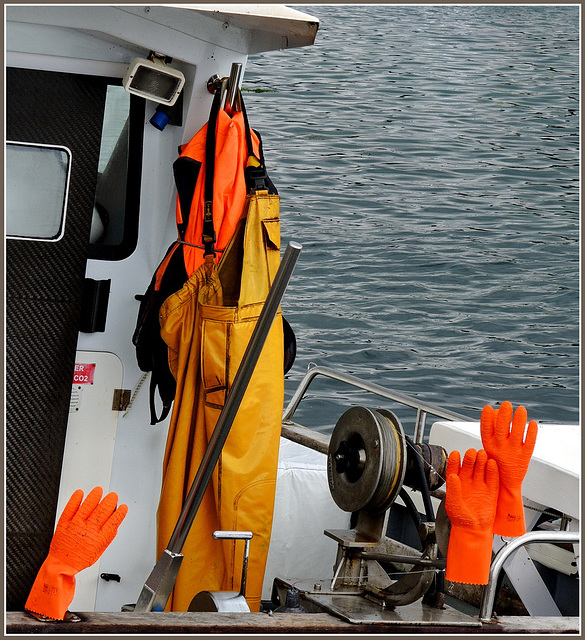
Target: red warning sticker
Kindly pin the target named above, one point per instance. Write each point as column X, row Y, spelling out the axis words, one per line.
column 83, row 373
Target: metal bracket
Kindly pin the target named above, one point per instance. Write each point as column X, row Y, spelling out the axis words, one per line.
column 121, row 399
column 230, row 86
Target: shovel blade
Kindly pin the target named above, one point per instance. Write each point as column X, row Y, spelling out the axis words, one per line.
column 160, row 583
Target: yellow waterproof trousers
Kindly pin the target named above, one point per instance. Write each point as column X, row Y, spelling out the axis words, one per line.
column 207, row 326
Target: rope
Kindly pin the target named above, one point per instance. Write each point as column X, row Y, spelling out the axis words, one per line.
column 140, row 383
column 364, row 579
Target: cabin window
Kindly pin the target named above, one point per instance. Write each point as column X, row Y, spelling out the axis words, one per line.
column 36, row 214
column 114, row 228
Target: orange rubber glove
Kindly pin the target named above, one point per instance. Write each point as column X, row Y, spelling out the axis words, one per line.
column 470, row 502
column 82, row 534
column 508, row 447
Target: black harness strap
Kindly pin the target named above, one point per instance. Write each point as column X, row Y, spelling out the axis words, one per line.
column 257, row 178
column 208, row 236
column 255, row 175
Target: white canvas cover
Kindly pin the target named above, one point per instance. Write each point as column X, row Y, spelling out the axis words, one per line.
column 303, row 509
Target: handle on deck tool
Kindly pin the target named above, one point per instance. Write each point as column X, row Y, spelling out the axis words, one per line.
column 246, row 536
column 160, row 583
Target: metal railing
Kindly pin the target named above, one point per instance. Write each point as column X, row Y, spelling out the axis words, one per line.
column 489, row 592
column 423, row 408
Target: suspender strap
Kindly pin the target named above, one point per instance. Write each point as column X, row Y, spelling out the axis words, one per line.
column 255, row 172
column 247, row 129
column 154, row 419
column 208, row 236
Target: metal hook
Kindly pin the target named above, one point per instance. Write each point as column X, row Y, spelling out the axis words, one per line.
column 234, row 87
column 229, row 87
column 214, row 84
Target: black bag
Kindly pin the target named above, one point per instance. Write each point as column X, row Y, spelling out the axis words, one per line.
column 151, row 349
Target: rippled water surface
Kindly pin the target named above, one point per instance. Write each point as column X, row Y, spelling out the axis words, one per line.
column 427, row 160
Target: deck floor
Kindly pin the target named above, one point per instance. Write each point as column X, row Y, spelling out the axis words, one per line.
column 18, row 622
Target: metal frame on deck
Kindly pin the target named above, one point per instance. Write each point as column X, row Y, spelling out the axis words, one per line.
column 489, row 592
column 316, row 441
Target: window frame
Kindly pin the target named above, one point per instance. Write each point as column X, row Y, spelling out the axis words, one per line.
column 63, row 220
column 129, row 242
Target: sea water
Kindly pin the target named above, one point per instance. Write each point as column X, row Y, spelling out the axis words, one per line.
column 427, row 159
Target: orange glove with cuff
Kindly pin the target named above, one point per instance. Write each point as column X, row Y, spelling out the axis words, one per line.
column 82, row 534
column 508, row 447
column 470, row 502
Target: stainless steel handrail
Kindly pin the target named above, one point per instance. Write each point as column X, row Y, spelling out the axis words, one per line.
column 489, row 591
column 423, row 408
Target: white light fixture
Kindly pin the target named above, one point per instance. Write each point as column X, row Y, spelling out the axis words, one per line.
column 154, row 80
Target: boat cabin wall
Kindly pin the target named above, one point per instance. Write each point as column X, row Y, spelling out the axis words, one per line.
column 106, row 444
column 132, row 466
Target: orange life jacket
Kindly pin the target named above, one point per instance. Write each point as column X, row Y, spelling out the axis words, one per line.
column 213, row 175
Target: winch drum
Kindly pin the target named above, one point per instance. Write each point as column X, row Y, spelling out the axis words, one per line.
column 366, row 462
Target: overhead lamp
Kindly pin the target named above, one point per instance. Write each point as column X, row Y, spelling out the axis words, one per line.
column 153, row 79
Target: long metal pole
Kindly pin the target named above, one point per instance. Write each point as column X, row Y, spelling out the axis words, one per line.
column 160, row 583
column 234, row 397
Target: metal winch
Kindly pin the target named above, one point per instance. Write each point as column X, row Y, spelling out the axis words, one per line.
column 370, row 461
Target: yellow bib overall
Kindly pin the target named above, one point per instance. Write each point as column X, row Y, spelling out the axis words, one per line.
column 207, row 326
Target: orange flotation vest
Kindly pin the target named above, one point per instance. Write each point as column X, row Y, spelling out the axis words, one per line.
column 213, row 176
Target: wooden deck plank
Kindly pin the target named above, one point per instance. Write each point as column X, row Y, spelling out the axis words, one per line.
column 18, row 622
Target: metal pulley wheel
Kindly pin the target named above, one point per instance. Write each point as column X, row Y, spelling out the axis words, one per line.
column 366, row 461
